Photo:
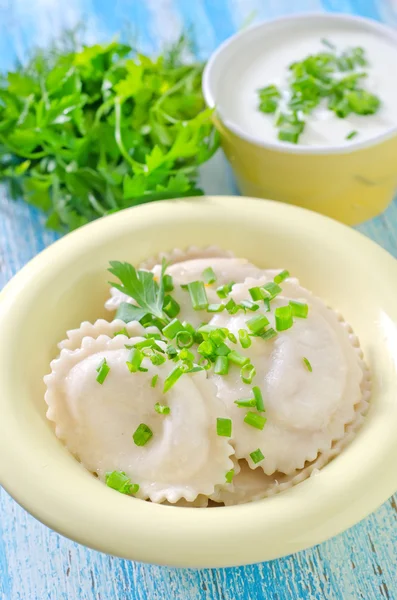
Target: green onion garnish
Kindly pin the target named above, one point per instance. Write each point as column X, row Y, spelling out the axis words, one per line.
column 217, row 336
column 307, row 363
column 351, row 135
column 257, row 323
column 224, row 427
column 268, row 99
column 161, row 409
column 172, row 378
column 186, row 355
column 229, row 476
column 215, row 308
column 207, row 349
column 266, row 302
column 153, row 383
column 135, row 359
column 281, row 276
column 248, row 403
column 142, row 435
column 224, row 290
column 237, row 359
column 299, row 309
column 198, row 295
column 249, row 305
column 268, row 334
column 168, row 283
column 184, row 339
column 221, row 366
column 231, row 337
column 102, row 370
column 231, row 307
column 170, row 330
column 255, row 420
column 283, row 315
column 157, row 359
column 247, row 373
column 171, row 307
column 260, row 407
column 118, row 480
column 209, row 276
column 272, row 289
column 222, row 350
column 205, row 363
column 121, row 332
column 244, row 338
column 256, row 456
column 256, row 293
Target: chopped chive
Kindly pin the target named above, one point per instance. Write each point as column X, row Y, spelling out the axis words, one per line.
column 256, row 456
column 247, row 373
column 229, row 476
column 217, row 336
column 299, row 309
column 172, row 378
column 327, row 43
column 198, row 295
column 307, row 363
column 171, row 351
column 268, row 334
column 244, row 338
column 206, row 329
column 183, row 286
column 222, row 350
column 266, row 302
column 249, row 402
column 221, row 366
column 249, row 305
column 171, row 307
column 224, row 427
column 161, row 409
column 153, row 383
column 209, row 275
column 205, row 363
column 142, row 435
column 122, row 332
column 215, row 308
column 168, row 283
column 351, row 135
column 184, row 339
column 224, row 290
column 283, row 315
column 134, row 361
column 207, row 349
column 231, row 337
column 186, row 355
column 143, row 369
column 273, row 289
column 260, row 407
column 237, row 359
column 157, row 359
column 118, row 480
column 102, row 370
column 256, row 293
column 231, row 307
column 281, row 276
column 257, row 323
column 154, row 336
column 255, row 420
column 170, row 330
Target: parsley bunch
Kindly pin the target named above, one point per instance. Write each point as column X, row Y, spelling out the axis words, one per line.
column 85, row 133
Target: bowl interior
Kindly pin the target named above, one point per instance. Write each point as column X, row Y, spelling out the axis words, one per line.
column 67, row 284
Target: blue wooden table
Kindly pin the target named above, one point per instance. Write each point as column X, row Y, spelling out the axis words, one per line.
column 38, row 564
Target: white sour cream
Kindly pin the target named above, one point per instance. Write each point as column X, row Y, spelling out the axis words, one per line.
column 266, row 62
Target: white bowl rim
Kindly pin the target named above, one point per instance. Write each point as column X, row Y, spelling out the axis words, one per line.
column 243, row 37
column 239, row 530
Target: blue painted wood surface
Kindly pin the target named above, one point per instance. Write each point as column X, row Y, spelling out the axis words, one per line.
column 38, row 564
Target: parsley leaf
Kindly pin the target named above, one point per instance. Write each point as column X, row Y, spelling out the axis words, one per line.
column 141, row 287
column 87, row 132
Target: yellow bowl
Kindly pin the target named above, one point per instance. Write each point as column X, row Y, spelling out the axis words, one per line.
column 351, row 182
column 67, row 283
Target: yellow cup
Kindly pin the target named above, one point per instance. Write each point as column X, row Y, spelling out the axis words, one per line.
column 351, row 183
